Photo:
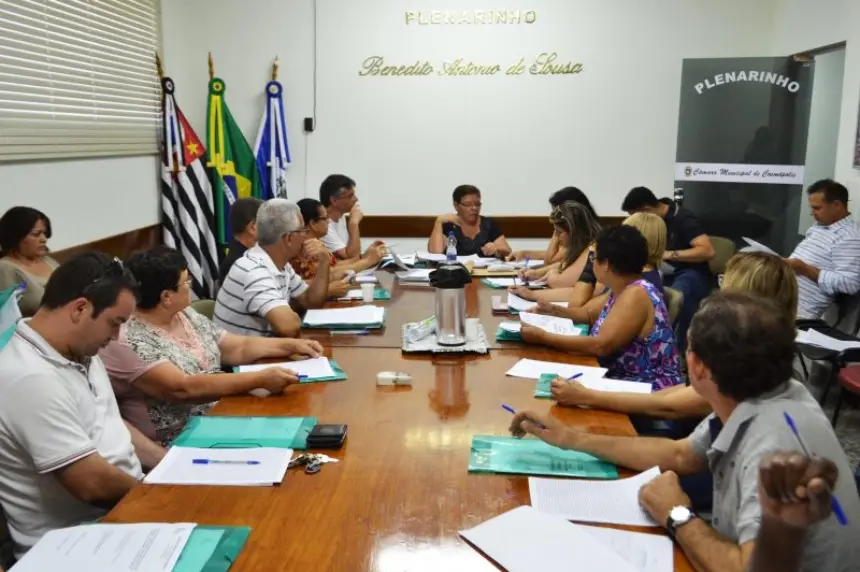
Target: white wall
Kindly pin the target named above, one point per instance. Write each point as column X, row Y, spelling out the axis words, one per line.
column 409, row 141
column 802, row 25
column 86, row 199
column 244, row 37
column 825, row 115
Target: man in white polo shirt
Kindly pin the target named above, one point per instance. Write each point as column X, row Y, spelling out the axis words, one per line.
column 337, row 194
column 254, row 299
column 66, row 456
column 827, row 261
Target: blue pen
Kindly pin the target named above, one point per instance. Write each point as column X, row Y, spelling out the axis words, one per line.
column 302, row 376
column 837, row 508
column 349, row 332
column 222, row 462
column 574, row 376
column 511, row 410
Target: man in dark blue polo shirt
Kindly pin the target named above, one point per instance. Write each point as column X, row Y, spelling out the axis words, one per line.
column 688, row 250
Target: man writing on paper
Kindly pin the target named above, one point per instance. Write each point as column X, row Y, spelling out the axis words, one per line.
column 741, row 349
column 66, row 457
column 254, row 299
column 827, row 261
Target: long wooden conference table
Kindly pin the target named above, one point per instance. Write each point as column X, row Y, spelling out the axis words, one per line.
column 401, row 491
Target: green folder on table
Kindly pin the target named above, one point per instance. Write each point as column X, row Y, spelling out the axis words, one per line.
column 495, row 454
column 212, row 548
column 379, row 294
column 503, row 335
column 543, row 389
column 228, row 432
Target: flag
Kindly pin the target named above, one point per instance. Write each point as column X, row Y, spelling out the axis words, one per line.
column 187, row 203
column 234, row 167
column 271, row 148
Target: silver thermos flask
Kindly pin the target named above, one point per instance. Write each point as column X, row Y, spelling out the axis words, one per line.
column 450, row 281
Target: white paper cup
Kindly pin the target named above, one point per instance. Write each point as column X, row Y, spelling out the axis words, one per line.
column 367, row 291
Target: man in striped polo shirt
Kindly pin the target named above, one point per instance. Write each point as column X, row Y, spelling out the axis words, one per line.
column 827, row 261
column 254, row 299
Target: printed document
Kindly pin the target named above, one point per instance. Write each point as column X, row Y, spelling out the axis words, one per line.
column 526, row 540
column 533, row 369
column 610, row 502
column 312, row 368
column 141, row 547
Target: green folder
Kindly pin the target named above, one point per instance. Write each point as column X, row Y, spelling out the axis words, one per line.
column 506, row 336
column 486, row 282
column 543, row 389
column 212, row 548
column 379, row 294
column 339, row 374
column 494, row 454
column 373, row 326
column 228, row 432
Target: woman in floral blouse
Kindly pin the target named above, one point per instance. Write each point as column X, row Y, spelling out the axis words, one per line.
column 166, row 363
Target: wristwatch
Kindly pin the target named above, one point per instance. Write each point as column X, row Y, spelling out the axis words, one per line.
column 678, row 517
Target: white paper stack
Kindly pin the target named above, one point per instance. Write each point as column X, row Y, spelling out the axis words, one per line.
column 615, row 385
column 610, row 502
column 510, row 282
column 550, row 324
column 521, row 304
column 312, row 368
column 430, row 256
column 140, row 547
column 415, row 275
column 260, row 466
column 518, row 540
column 533, row 369
column 816, row 338
column 356, row 316
column 513, row 327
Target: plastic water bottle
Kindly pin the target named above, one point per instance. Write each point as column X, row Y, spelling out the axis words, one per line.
column 451, row 251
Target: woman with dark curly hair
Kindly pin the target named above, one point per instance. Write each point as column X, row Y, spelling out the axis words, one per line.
column 24, row 234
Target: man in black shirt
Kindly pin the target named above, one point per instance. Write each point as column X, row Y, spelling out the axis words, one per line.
column 243, row 226
column 688, row 250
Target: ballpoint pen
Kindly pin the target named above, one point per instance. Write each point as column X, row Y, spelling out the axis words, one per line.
column 512, row 411
column 574, row 376
column 222, row 462
column 837, row 508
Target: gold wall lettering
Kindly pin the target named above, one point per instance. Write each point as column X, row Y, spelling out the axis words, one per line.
column 545, row 63
column 457, row 17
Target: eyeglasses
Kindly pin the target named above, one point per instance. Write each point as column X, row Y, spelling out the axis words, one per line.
column 183, row 283
column 470, row 205
column 115, row 269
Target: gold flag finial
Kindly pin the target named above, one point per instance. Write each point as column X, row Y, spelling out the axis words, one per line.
column 211, row 67
column 158, row 66
column 275, row 65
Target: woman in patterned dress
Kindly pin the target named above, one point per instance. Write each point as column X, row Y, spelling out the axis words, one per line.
column 631, row 334
column 167, row 362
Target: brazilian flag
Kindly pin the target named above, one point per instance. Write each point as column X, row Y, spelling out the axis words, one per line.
column 230, row 158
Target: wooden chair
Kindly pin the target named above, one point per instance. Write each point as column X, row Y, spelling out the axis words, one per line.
column 674, row 301
column 205, row 307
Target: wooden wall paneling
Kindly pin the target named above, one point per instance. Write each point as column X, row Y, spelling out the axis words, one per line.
column 120, row 245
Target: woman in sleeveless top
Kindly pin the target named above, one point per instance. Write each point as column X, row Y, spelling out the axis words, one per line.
column 24, row 234
column 631, row 334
